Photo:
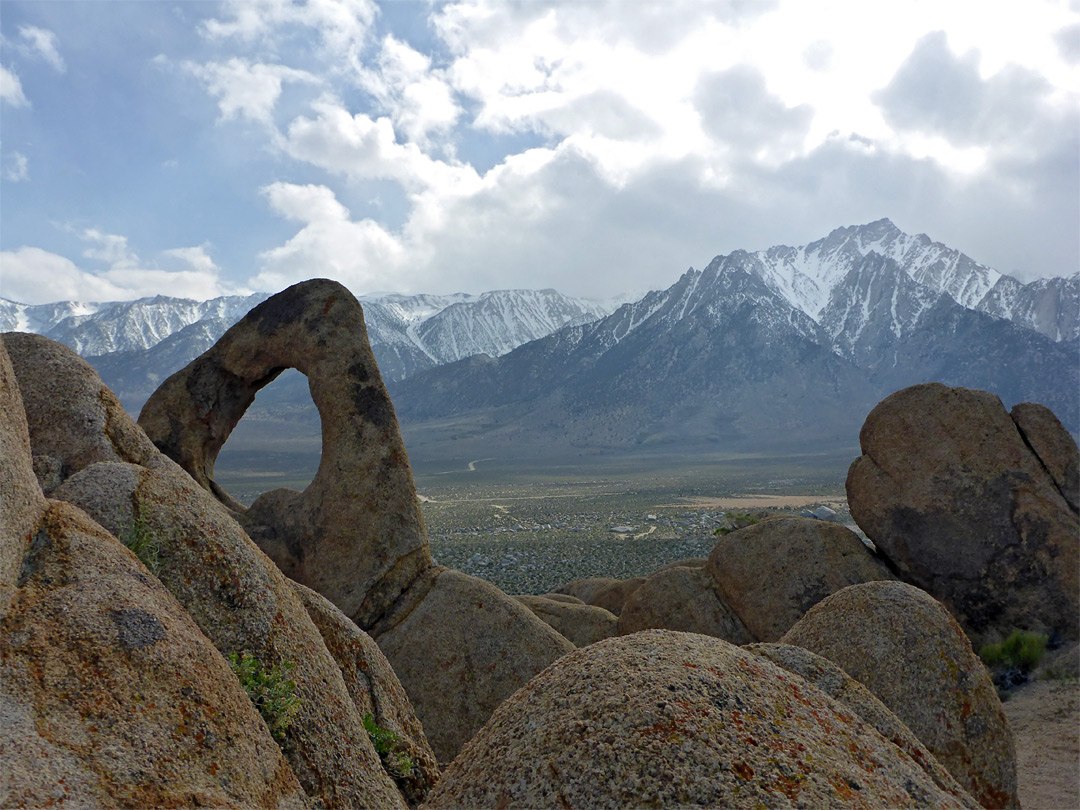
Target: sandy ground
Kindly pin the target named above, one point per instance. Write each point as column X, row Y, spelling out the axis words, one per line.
column 1045, row 721
column 758, row 501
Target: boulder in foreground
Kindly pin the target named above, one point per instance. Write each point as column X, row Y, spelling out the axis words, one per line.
column 668, row 719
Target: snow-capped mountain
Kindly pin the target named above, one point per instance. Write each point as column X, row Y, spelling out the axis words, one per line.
column 121, row 326
column 809, row 277
column 136, row 344
column 1050, row 306
column 723, row 359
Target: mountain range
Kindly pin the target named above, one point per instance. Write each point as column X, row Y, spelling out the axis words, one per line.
column 783, row 348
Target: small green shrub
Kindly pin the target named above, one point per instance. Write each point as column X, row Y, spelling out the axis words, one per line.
column 144, row 542
column 741, row 521
column 271, row 690
column 386, row 741
column 1021, row 650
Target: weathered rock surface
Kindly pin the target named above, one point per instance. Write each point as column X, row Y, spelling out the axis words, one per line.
column 682, row 598
column 774, row 571
column 580, row 623
column 356, row 534
column 243, row 603
column 952, row 495
column 904, row 647
column 375, row 690
column 1054, row 447
column 82, row 421
column 840, row 686
column 562, row 597
column 21, row 502
column 232, row 591
column 460, row 646
column 605, row 592
column 666, row 719
column 110, row 695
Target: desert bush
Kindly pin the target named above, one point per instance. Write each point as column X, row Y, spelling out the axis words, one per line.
column 144, row 542
column 1021, row 650
column 386, row 741
column 271, row 690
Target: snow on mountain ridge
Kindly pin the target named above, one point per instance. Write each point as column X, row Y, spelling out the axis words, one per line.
column 808, row 275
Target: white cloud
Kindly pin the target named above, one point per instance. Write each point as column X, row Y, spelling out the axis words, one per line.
column 246, row 89
column 17, row 168
column 41, row 43
column 359, row 254
column 418, row 100
column 362, row 148
column 35, row 276
column 111, row 248
column 194, row 258
column 11, row 88
column 343, row 25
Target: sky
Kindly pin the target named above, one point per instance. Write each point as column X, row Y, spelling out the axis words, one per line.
column 197, row 149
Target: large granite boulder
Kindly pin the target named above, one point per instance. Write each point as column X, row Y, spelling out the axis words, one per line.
column 837, row 684
column 376, row 691
column 233, row 592
column 774, row 571
column 1055, row 448
column 110, row 696
column 606, row 592
column 356, row 534
column 683, row 598
column 581, row 624
column 952, row 494
column 73, row 419
column 460, row 647
column 21, row 501
column 668, row 719
column 904, row 647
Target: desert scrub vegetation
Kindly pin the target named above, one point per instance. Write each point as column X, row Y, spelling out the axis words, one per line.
column 1021, row 650
column 270, row 689
column 386, row 742
column 736, row 521
column 1010, row 661
column 144, row 542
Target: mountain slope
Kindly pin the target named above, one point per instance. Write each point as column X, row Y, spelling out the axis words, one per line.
column 721, row 360
column 806, row 276
column 687, row 366
column 1049, row 306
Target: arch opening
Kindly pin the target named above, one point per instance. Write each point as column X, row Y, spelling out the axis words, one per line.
column 276, row 444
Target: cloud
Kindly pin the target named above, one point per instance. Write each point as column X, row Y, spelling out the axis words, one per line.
column 737, row 110
column 343, row 25
column 938, row 93
column 418, row 100
column 1068, row 43
column 193, row 258
column 41, row 43
column 110, row 248
column 359, row 254
column 246, row 89
column 11, row 88
column 362, row 148
column 17, row 168
column 36, row 276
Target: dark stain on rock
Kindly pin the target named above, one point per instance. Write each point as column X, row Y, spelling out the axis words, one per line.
column 329, row 303
column 34, row 561
column 276, row 311
column 358, row 371
column 373, row 405
column 137, row 629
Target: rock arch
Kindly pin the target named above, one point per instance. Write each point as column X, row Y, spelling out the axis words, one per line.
column 356, row 534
